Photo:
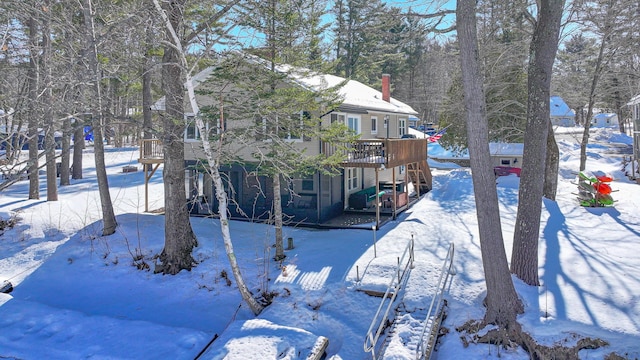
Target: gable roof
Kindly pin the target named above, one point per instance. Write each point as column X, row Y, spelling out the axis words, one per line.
column 559, row 108
column 506, row 149
column 605, row 116
column 356, row 96
column 634, row 100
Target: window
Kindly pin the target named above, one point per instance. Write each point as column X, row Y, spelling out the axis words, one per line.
column 286, row 129
column 505, row 162
column 353, row 122
column 374, row 125
column 402, row 126
column 307, row 185
column 304, row 185
column 352, row 178
column 294, row 127
column 192, row 132
column 337, row 117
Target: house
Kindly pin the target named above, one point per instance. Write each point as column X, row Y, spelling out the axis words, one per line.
column 634, row 104
column 605, row 120
column 380, row 172
column 413, row 121
column 506, row 157
column 506, row 154
column 561, row 114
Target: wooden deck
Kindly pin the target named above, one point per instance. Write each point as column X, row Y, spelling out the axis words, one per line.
column 378, row 154
column 151, row 156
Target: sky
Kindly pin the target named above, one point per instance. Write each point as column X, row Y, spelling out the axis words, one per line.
column 79, row 295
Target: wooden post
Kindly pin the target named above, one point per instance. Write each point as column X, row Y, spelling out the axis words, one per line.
column 146, row 188
column 394, row 193
column 377, row 201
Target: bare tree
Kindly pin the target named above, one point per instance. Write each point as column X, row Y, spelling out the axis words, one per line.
column 501, row 301
column 47, row 102
column 524, row 257
column 109, row 222
column 33, row 77
column 603, row 16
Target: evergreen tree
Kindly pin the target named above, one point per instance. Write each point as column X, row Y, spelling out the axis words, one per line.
column 285, row 114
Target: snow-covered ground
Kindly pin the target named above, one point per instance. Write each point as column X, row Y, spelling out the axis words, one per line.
column 78, row 295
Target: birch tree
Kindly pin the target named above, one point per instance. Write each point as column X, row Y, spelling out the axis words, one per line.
column 175, row 53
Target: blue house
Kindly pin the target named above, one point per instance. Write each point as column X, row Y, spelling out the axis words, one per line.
column 561, row 114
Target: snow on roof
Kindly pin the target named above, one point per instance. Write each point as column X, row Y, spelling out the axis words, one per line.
column 507, row 149
column 559, row 108
column 605, row 116
column 353, row 93
column 634, row 100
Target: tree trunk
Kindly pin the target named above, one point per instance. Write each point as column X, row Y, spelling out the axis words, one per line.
column 179, row 239
column 502, row 301
column 147, row 98
column 221, row 195
column 78, row 146
column 109, row 222
column 47, row 100
column 32, row 73
column 277, row 209
column 66, row 152
column 542, row 53
column 597, row 72
column 552, row 164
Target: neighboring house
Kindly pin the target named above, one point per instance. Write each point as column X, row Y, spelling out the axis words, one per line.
column 506, row 154
column 605, row 120
column 372, row 164
column 634, row 104
column 413, row 122
column 560, row 113
column 506, row 157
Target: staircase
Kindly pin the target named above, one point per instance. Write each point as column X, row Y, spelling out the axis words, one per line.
column 414, row 341
column 420, row 175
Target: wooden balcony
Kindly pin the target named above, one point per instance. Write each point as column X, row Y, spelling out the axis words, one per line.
column 151, row 152
column 376, row 153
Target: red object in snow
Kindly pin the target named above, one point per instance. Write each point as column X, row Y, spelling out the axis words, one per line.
column 506, row 170
column 602, row 188
column 604, row 178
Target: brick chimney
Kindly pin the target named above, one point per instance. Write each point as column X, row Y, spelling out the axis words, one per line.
column 386, row 89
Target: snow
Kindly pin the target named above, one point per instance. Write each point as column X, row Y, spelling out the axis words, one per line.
column 351, row 92
column 559, row 108
column 78, row 294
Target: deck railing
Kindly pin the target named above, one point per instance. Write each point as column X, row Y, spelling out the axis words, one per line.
column 151, row 149
column 398, row 280
column 429, row 334
column 377, row 152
